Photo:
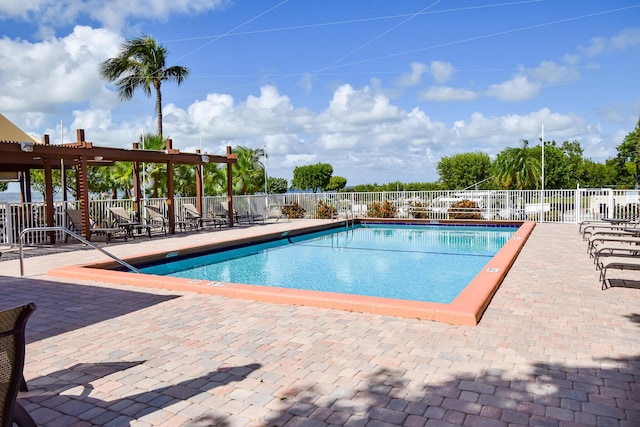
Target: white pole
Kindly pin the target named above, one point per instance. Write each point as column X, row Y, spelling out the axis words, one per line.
column 266, row 190
column 542, row 197
column 144, row 175
column 63, row 182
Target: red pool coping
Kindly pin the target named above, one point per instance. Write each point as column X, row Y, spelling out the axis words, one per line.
column 466, row 309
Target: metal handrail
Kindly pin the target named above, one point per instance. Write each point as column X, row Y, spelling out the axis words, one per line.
column 76, row 236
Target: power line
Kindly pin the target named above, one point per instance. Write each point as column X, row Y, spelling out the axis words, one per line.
column 455, row 42
column 345, row 22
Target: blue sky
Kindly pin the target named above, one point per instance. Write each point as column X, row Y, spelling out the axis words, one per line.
column 381, row 90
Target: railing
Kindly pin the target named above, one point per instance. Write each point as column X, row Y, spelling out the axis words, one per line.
column 561, row 206
column 74, row 235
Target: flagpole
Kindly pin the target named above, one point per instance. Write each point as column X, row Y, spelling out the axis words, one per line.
column 542, row 196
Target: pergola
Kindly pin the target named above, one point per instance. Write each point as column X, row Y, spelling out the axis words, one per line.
column 22, row 156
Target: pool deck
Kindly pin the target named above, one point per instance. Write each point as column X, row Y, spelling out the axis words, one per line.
column 552, row 348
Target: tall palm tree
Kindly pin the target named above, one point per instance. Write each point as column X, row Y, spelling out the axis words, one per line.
column 518, row 168
column 141, row 63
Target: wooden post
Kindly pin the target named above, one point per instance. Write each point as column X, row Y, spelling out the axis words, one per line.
column 82, row 190
column 199, row 189
column 137, row 208
column 171, row 210
column 230, row 188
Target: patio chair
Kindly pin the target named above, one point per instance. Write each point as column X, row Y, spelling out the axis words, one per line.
column 75, row 217
column 598, row 239
column 604, row 222
column 198, row 220
column 155, row 220
column 123, row 219
column 611, row 249
column 158, row 220
column 238, row 216
column 592, row 229
column 618, row 263
column 259, row 210
column 12, row 353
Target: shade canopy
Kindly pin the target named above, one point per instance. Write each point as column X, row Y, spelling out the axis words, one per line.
column 11, row 132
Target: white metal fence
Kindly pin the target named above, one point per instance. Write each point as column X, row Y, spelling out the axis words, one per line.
column 563, row 206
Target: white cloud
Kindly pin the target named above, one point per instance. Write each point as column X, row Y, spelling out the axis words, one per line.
column 112, row 14
column 517, row 89
column 597, row 46
column 445, row 93
column 551, row 72
column 442, row 71
column 414, row 77
column 494, row 133
column 351, row 110
column 627, row 38
column 40, row 76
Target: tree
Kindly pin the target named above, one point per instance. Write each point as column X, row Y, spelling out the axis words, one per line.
column 185, row 180
column 248, row 172
column 215, row 179
column 596, row 175
column 276, row 185
column 141, row 63
column 312, row 177
column 517, row 168
column 464, row 170
column 336, row 183
column 563, row 164
column 38, row 182
column 629, row 151
column 154, row 174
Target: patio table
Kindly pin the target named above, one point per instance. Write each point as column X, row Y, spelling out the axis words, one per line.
column 129, row 228
column 615, row 221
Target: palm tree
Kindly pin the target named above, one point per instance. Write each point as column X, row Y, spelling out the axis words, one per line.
column 141, row 63
column 248, row 173
column 518, row 168
column 155, row 173
column 215, row 179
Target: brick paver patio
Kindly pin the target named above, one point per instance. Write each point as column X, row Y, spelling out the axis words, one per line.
column 553, row 349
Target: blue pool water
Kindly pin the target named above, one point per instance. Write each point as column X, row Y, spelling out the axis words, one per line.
column 419, row 263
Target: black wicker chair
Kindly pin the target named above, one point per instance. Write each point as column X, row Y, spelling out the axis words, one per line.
column 12, row 351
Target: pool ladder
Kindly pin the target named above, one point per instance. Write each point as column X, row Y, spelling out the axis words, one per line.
column 75, row 236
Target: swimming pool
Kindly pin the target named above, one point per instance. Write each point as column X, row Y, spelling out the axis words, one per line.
column 411, row 262
column 466, row 309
